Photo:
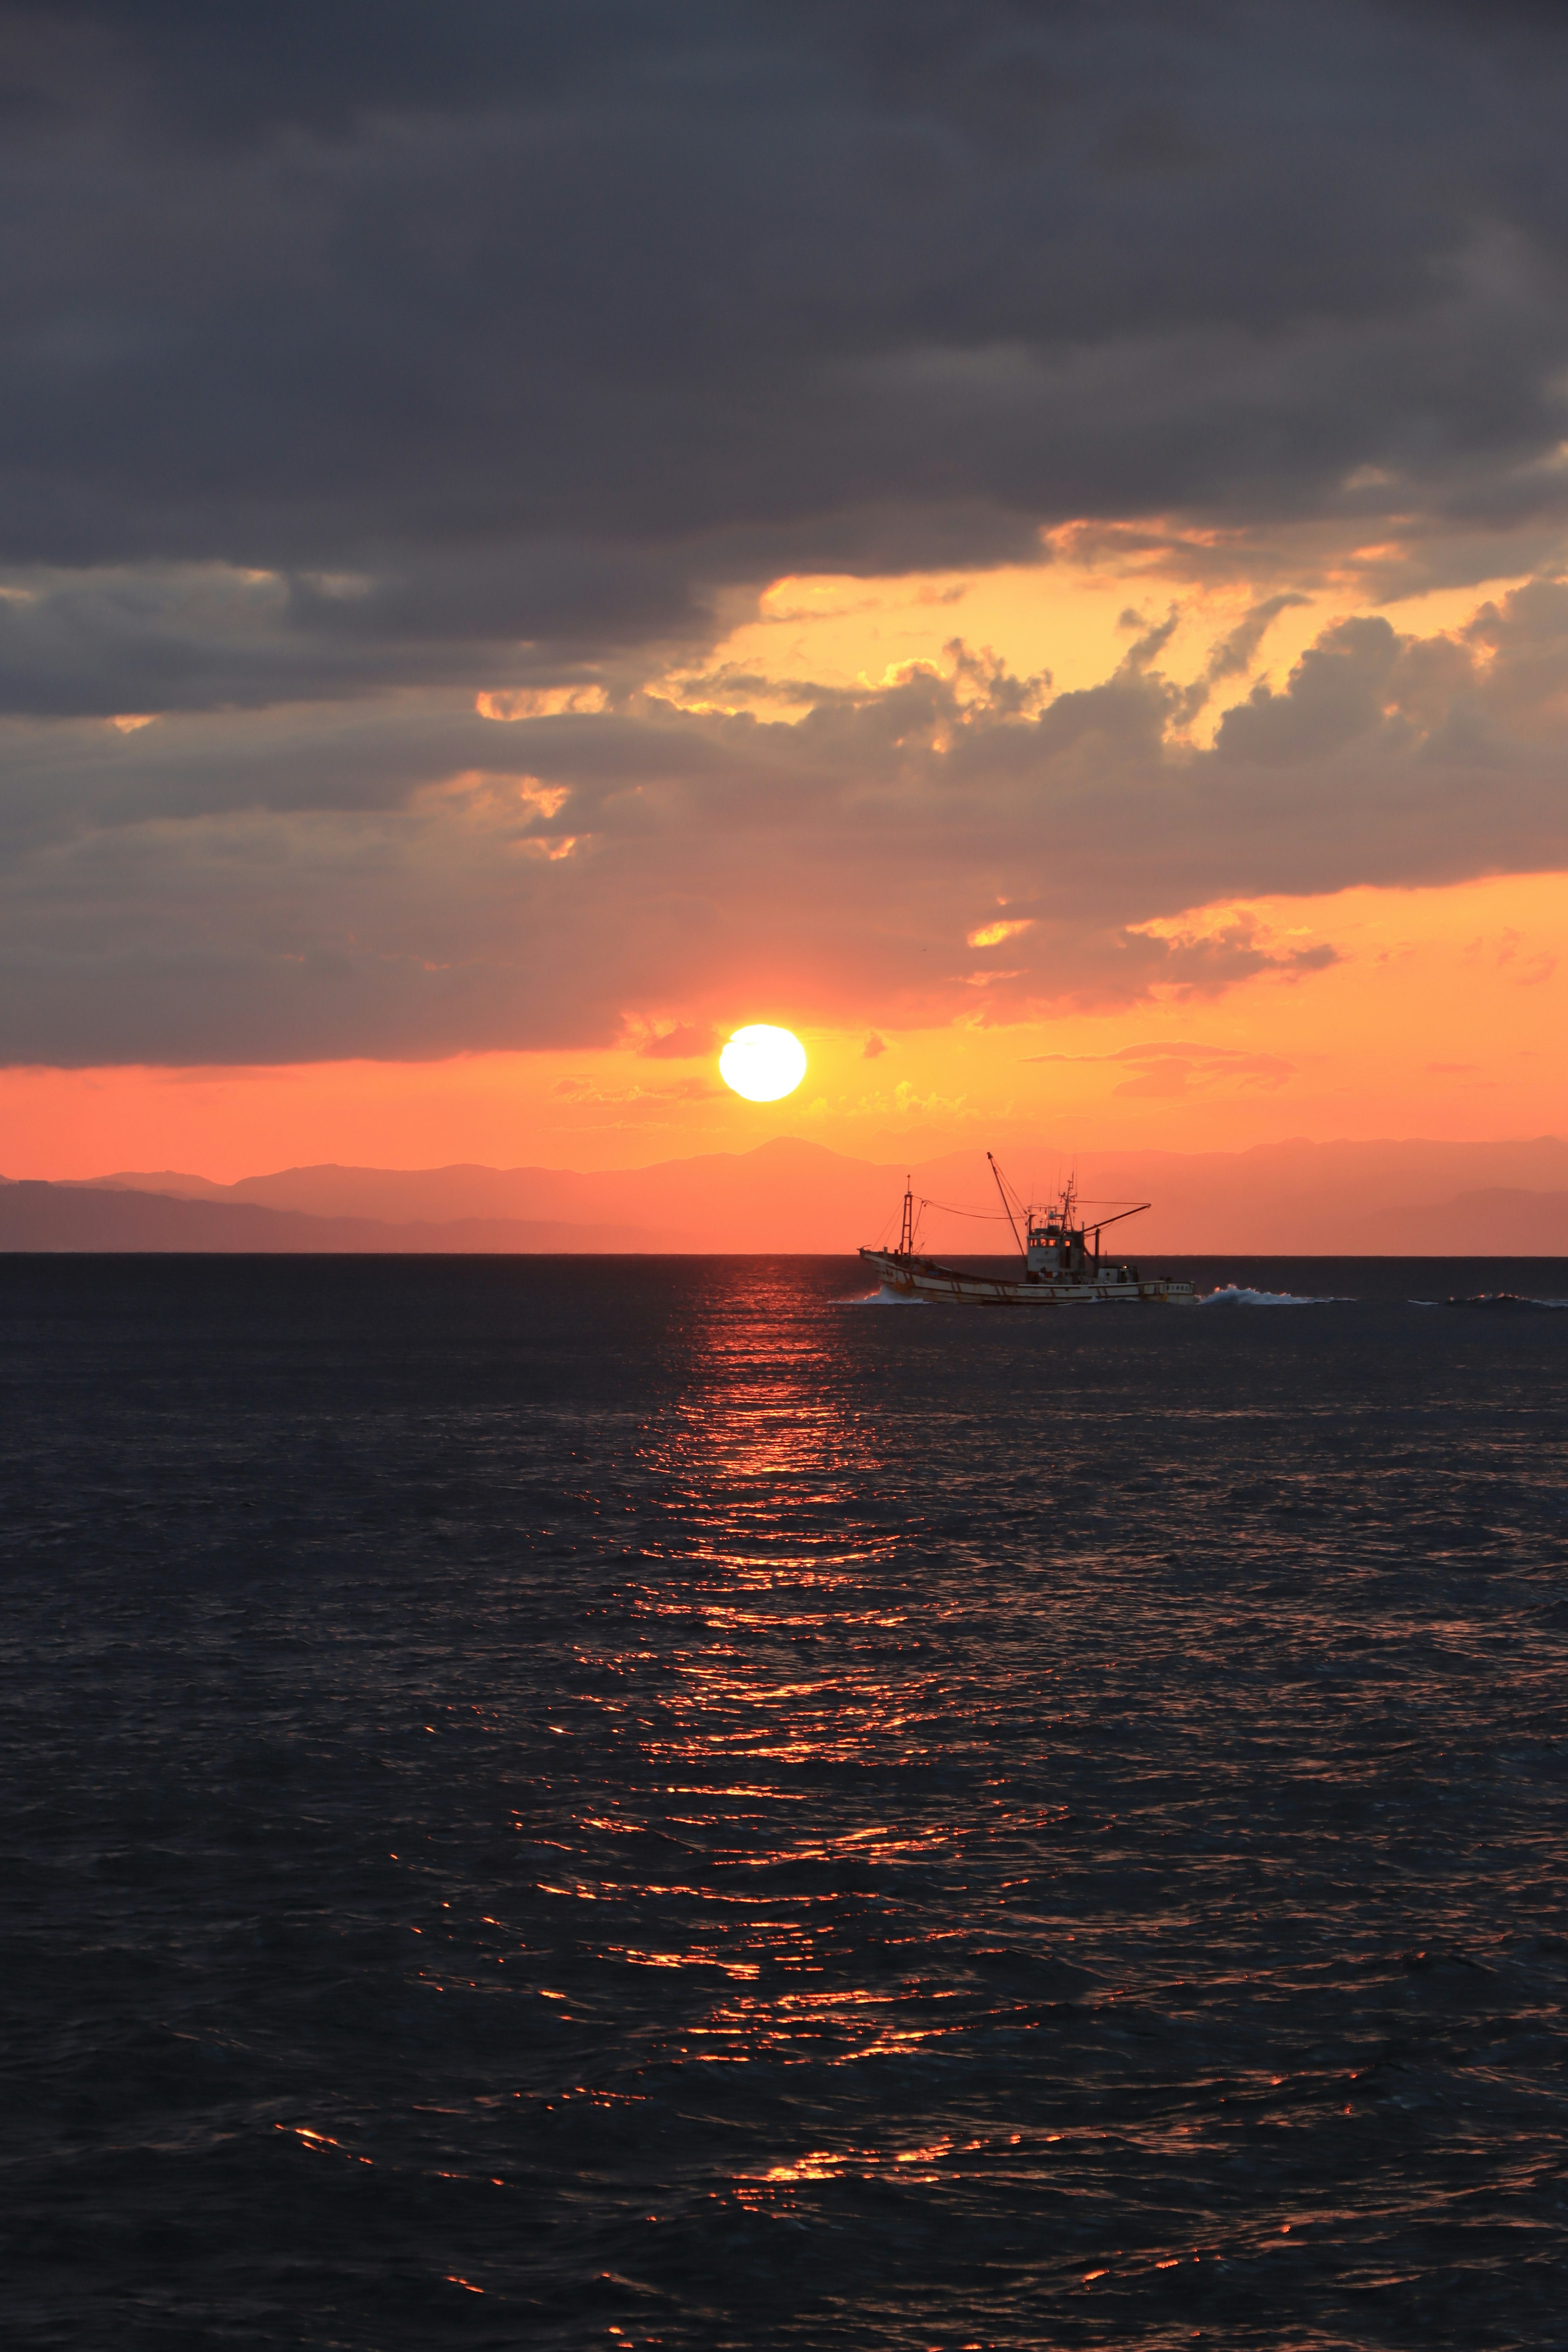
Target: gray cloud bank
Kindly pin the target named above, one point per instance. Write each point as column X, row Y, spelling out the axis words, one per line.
column 358, row 356
column 406, row 877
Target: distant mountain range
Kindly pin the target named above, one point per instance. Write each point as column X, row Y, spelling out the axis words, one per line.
column 121, row 1216
column 1506, row 1199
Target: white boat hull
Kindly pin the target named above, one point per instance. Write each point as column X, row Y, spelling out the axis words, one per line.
column 923, row 1277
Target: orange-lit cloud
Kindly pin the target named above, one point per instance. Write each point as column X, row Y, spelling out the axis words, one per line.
column 887, row 855
column 1442, row 1018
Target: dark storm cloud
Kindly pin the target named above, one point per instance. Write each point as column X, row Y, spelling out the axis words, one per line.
column 544, row 321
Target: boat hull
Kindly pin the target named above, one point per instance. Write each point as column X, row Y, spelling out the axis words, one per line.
column 922, row 1278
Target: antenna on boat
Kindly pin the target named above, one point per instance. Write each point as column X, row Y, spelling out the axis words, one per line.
column 1006, row 1205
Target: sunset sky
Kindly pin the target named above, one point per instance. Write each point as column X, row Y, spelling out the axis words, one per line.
column 1026, row 543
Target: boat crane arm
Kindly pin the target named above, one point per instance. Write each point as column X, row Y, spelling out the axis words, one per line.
column 1116, row 1220
column 1001, row 1189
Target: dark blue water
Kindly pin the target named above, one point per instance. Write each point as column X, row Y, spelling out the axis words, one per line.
column 560, row 1803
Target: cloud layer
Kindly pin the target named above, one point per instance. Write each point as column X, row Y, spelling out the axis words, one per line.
column 410, row 879
column 358, row 359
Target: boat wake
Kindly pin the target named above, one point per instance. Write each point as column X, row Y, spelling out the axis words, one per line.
column 886, row 1297
column 1508, row 1301
column 1236, row 1294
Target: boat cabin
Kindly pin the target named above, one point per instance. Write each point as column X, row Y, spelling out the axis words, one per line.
column 1056, row 1248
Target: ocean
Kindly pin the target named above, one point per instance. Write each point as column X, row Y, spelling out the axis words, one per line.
column 652, row 1802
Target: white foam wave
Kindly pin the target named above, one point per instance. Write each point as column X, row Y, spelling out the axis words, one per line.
column 885, row 1297
column 1237, row 1295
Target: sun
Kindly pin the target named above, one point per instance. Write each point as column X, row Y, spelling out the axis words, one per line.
column 763, row 1064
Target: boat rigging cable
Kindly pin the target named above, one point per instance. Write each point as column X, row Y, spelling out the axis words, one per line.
column 1012, row 1209
column 992, row 1217
column 980, row 1216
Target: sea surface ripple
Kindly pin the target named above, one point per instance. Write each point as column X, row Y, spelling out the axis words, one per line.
column 564, row 1802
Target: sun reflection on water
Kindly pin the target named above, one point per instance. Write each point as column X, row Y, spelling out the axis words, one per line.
column 774, row 1603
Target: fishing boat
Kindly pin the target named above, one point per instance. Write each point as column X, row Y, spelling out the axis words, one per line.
column 1062, row 1262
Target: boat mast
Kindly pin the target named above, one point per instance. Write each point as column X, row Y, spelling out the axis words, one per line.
column 1001, row 1188
column 907, row 1230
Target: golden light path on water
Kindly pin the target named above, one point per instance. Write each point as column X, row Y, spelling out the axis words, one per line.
column 768, row 1475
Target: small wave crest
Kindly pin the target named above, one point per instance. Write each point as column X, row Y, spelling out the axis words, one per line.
column 885, row 1297
column 1508, row 1301
column 1237, row 1295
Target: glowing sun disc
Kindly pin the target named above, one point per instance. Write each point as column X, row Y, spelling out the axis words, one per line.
column 763, row 1064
